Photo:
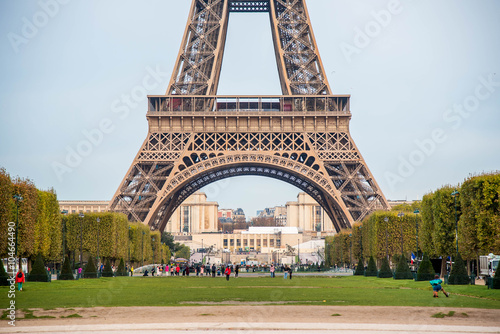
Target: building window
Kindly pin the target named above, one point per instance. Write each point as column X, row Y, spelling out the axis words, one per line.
column 238, row 243
column 225, row 242
column 186, row 224
column 271, row 243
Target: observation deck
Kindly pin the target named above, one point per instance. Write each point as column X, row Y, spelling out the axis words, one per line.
column 294, row 113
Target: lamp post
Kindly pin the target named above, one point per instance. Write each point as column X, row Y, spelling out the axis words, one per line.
column 154, row 253
column 298, row 251
column 142, row 264
column 350, row 250
column 128, row 241
column 98, row 221
column 64, row 212
column 202, row 252
column 18, row 198
column 401, row 215
column 416, row 212
column 455, row 193
column 386, row 220
column 81, row 215
column 342, row 253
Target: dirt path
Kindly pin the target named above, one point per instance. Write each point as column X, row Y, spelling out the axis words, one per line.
column 266, row 313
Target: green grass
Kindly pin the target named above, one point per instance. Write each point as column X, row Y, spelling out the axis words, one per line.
column 305, row 290
column 74, row 315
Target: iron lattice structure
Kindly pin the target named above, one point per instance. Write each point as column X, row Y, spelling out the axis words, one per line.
column 196, row 137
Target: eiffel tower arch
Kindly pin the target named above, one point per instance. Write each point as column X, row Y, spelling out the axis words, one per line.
column 197, row 137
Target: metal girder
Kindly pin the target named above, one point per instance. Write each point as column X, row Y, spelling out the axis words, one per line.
column 196, row 137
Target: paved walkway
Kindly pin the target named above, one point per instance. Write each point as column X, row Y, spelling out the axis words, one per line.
column 260, row 328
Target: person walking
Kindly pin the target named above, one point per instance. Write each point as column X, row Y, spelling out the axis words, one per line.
column 79, row 272
column 214, row 270
column 436, row 287
column 227, row 272
column 177, row 270
column 20, row 279
column 132, row 271
column 272, row 270
column 202, row 270
column 236, row 270
column 285, row 276
column 290, row 271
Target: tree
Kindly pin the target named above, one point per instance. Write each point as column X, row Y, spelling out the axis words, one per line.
column 371, row 270
column 425, row 270
column 496, row 280
column 168, row 239
column 3, row 276
column 385, row 269
column 38, row 272
column 360, row 268
column 107, row 271
column 7, row 209
column 121, row 271
column 458, row 275
column 90, row 270
column 66, row 272
column 402, row 269
column 183, row 252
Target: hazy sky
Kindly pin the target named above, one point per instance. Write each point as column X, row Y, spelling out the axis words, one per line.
column 424, row 78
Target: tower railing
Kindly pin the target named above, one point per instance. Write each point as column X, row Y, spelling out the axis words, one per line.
column 296, row 104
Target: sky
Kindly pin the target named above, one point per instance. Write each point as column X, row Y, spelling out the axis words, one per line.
column 424, row 80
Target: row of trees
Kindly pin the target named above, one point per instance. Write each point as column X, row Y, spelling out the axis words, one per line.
column 39, row 229
column 475, row 206
column 44, row 230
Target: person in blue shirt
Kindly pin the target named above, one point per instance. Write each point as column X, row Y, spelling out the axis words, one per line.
column 436, row 286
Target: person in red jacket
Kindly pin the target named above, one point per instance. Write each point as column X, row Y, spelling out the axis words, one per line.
column 20, row 279
column 227, row 272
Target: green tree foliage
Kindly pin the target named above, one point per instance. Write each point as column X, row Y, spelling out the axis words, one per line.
column 360, row 268
column 28, row 211
column 443, row 212
column 107, row 271
column 385, row 269
column 38, row 272
column 121, row 271
column 155, row 242
column 496, row 279
column 140, row 243
column 7, row 209
column 3, row 276
column 168, row 239
column 425, row 270
column 112, row 230
column 426, row 230
column 90, row 270
column 66, row 272
column 402, row 269
column 371, row 270
column 184, row 252
column 479, row 225
column 458, row 275
column 166, row 254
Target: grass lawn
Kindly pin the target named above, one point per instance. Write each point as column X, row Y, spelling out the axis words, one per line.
column 310, row 290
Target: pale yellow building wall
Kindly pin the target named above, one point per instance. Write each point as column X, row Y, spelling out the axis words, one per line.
column 202, row 215
column 302, row 214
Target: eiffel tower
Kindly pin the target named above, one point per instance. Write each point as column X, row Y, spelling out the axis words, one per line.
column 196, row 137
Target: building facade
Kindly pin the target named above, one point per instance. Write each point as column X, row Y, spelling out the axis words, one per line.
column 308, row 215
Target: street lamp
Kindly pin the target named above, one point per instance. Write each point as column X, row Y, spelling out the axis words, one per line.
column 142, row 239
column 202, row 252
column 350, row 250
column 416, row 212
column 401, row 215
column 454, row 194
column 64, row 212
column 81, row 215
column 298, row 251
column 18, row 198
column 386, row 219
column 154, row 253
column 98, row 221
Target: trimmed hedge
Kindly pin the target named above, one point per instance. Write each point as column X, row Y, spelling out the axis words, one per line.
column 107, row 271
column 121, row 269
column 425, row 270
column 458, row 275
column 402, row 269
column 66, row 272
column 371, row 270
column 360, row 268
column 496, row 279
column 90, row 269
column 3, row 276
column 38, row 272
column 385, row 269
